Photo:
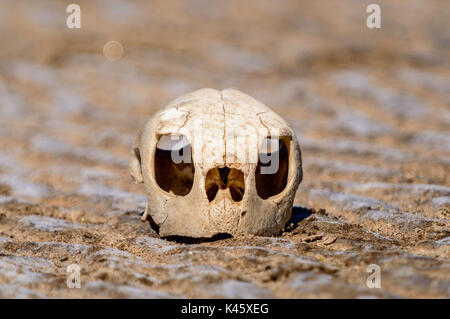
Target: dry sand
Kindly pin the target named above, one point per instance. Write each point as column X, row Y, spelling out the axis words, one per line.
column 371, row 109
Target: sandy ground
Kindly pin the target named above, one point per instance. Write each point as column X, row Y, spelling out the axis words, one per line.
column 371, row 109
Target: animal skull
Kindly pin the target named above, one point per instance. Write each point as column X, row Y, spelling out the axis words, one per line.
column 217, row 162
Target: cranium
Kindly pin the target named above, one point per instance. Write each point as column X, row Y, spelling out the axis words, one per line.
column 217, row 162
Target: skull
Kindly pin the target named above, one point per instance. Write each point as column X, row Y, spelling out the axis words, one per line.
column 215, row 162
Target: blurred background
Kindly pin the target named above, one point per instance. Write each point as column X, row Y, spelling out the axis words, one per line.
column 371, row 108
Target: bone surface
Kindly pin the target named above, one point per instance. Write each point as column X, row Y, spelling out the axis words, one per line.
column 215, row 162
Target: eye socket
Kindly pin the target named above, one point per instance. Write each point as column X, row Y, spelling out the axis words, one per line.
column 273, row 166
column 172, row 143
column 174, row 170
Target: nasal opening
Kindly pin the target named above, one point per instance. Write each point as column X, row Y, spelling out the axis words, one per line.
column 223, row 172
column 223, row 178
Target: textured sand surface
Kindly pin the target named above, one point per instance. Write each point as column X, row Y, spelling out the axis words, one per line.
column 371, row 109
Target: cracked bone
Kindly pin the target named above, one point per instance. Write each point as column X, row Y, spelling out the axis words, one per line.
column 215, row 162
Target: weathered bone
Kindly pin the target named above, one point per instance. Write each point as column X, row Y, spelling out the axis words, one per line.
column 222, row 186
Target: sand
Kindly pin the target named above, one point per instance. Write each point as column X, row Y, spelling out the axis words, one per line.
column 370, row 109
